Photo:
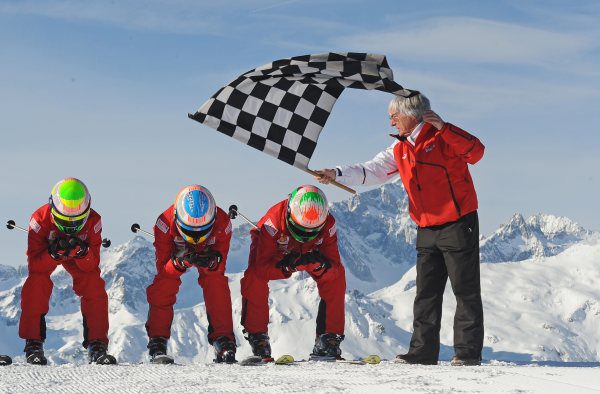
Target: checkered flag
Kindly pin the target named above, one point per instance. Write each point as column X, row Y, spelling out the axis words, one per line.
column 280, row 108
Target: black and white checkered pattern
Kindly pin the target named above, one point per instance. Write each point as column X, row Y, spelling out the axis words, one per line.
column 280, row 108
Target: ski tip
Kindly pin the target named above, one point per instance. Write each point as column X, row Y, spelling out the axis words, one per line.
column 372, row 359
column 285, row 359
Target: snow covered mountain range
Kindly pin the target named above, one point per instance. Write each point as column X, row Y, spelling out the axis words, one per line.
column 539, row 281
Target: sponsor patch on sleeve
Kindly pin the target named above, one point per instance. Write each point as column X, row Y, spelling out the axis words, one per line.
column 270, row 227
column 162, row 226
column 98, row 227
column 34, row 225
column 228, row 229
column 332, row 230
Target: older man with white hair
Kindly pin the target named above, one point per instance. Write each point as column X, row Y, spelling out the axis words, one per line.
column 432, row 157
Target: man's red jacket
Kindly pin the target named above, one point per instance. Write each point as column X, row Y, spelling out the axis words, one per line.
column 435, row 173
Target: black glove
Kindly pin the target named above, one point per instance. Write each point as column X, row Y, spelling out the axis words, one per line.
column 78, row 248
column 58, row 248
column 288, row 263
column 314, row 262
column 180, row 259
column 210, row 259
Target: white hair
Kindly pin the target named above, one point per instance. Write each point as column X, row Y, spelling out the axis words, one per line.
column 414, row 106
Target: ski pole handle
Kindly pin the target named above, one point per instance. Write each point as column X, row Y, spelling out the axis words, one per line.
column 136, row 229
column 233, row 212
column 11, row 226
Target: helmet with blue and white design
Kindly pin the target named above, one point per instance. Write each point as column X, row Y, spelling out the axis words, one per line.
column 195, row 213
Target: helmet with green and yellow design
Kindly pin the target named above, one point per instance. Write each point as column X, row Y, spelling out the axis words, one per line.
column 70, row 205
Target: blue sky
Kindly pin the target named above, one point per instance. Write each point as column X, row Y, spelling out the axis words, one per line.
column 100, row 90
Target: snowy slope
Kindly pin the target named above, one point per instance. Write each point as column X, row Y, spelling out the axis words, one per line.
column 538, row 309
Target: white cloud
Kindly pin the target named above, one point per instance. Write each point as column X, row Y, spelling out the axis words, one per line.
column 472, row 40
column 178, row 16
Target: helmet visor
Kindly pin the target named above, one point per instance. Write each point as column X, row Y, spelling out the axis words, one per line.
column 70, row 225
column 194, row 235
column 302, row 234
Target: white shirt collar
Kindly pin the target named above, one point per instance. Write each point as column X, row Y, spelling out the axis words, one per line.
column 415, row 133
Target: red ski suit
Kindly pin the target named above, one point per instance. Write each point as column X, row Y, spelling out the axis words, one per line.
column 87, row 283
column 270, row 243
column 162, row 293
column 436, row 176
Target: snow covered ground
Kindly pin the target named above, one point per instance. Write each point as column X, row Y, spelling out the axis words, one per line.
column 308, row 377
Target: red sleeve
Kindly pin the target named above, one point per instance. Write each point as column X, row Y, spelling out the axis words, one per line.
column 91, row 261
column 38, row 258
column 329, row 248
column 164, row 247
column 222, row 234
column 463, row 144
column 264, row 254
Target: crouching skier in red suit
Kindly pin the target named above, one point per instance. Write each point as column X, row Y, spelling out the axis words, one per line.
column 66, row 232
column 297, row 234
column 193, row 232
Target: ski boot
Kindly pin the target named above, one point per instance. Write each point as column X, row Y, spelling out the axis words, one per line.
column 157, row 347
column 97, row 354
column 34, row 352
column 224, row 350
column 465, row 361
column 327, row 347
column 409, row 358
column 5, row 360
column 260, row 346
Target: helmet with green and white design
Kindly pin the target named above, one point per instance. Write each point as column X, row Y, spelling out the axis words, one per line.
column 307, row 211
column 70, row 205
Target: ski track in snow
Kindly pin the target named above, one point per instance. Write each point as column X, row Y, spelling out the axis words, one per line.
column 308, row 377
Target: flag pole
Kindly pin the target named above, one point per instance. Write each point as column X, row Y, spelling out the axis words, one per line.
column 335, row 183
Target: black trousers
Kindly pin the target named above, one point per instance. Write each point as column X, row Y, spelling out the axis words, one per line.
column 447, row 251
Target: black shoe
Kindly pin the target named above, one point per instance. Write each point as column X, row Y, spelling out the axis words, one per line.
column 224, row 350
column 97, row 354
column 5, row 360
column 34, row 352
column 412, row 359
column 465, row 361
column 328, row 345
column 157, row 348
column 260, row 345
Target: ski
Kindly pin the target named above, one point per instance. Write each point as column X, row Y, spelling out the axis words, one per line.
column 5, row 360
column 289, row 360
column 256, row 360
column 162, row 359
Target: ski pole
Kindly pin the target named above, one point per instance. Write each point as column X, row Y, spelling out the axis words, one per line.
column 233, row 212
column 11, row 225
column 136, row 228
